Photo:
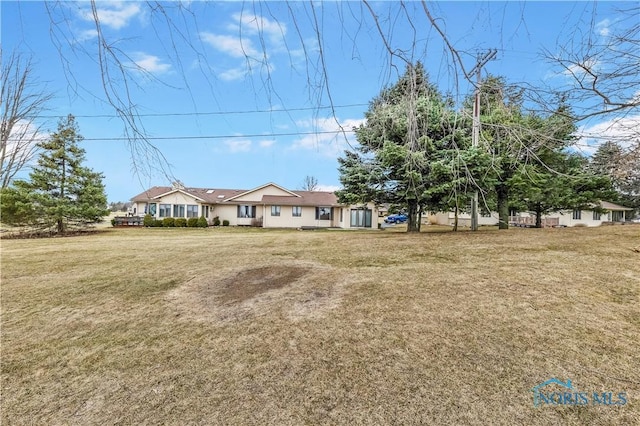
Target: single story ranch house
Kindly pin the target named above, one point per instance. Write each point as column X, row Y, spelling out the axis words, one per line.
column 267, row 206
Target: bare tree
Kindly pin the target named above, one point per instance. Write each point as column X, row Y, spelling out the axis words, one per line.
column 310, row 183
column 21, row 100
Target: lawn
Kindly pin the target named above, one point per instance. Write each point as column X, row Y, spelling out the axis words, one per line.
column 250, row 326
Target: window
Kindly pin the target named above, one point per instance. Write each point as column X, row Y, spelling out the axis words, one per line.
column 361, row 218
column 178, row 210
column 577, row 214
column 246, row 211
column 192, row 210
column 205, row 211
column 596, row 215
column 152, row 209
column 617, row 216
column 165, row 210
column 341, row 215
column 296, row 211
column 275, row 210
column 323, row 213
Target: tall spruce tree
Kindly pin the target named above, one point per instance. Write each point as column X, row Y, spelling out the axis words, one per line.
column 60, row 192
column 408, row 127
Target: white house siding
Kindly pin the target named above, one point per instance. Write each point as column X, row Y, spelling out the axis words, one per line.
column 256, row 196
column 565, row 218
column 230, row 212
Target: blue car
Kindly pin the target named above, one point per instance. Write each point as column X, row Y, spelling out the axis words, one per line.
column 396, row 218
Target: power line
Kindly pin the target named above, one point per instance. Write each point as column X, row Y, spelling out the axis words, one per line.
column 178, row 114
column 257, row 135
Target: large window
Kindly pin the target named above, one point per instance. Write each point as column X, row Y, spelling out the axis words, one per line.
column 275, row 210
column 151, row 209
column 577, row 214
column 617, row 216
column 192, row 210
column 296, row 211
column 165, row 210
column 246, row 211
column 323, row 213
column 178, row 210
column 596, row 216
column 361, row 218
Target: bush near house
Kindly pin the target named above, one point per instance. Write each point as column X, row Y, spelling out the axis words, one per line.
column 202, row 222
column 225, row 222
column 192, row 222
column 168, row 222
column 148, row 220
column 181, row 222
column 216, row 221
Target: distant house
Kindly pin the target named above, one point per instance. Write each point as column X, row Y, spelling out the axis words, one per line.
column 267, row 206
column 614, row 213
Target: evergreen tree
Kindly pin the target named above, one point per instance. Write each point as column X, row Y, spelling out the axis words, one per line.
column 60, row 192
column 409, row 127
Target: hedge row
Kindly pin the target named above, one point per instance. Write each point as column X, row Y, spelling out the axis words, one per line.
column 171, row 222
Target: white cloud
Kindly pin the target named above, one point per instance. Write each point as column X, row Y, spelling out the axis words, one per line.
column 113, row 14
column 238, row 145
column 86, row 35
column 603, row 27
column 332, row 137
column 260, row 26
column 233, row 74
column 231, row 45
column 328, row 188
column 150, row 63
column 624, row 130
column 266, row 143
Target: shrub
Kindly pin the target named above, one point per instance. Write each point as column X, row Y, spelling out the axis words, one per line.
column 113, row 222
column 157, row 223
column 192, row 222
column 202, row 222
column 148, row 220
column 181, row 222
column 168, row 222
column 225, row 222
column 216, row 221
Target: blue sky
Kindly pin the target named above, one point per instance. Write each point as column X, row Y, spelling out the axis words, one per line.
column 237, row 94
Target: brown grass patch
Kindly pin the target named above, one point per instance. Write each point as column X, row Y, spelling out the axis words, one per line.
column 297, row 290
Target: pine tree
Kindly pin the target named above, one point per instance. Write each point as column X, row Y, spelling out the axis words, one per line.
column 61, row 192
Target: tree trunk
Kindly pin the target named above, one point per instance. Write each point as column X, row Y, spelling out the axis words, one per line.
column 413, row 224
column 455, row 218
column 538, row 215
column 502, row 192
column 60, row 223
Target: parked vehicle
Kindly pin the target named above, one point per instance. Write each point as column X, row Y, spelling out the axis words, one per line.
column 396, row 218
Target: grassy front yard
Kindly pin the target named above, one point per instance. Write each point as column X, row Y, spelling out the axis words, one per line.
column 249, row 326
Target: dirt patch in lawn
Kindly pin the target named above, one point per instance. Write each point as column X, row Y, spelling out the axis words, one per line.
column 295, row 290
column 252, row 282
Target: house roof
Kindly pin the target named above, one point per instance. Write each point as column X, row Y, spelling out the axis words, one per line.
column 611, row 206
column 305, row 198
column 217, row 196
column 264, row 186
column 207, row 195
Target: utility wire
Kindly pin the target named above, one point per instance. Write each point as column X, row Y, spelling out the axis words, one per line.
column 177, row 114
column 260, row 135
